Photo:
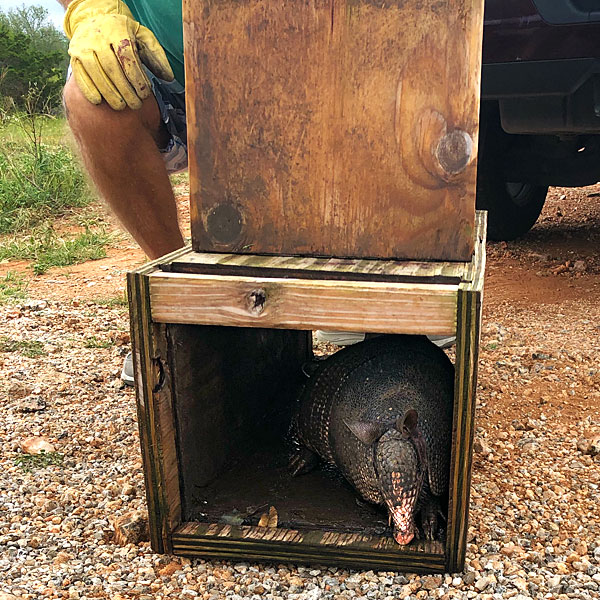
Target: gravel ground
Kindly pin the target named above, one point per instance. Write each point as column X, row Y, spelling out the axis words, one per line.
column 535, row 511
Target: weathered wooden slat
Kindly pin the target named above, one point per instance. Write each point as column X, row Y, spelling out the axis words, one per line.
column 467, row 349
column 402, row 563
column 306, row 267
column 359, row 550
column 318, row 268
column 317, row 538
column 155, row 416
column 163, row 401
column 302, row 304
column 140, row 338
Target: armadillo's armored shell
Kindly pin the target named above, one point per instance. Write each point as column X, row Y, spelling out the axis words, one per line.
column 378, row 381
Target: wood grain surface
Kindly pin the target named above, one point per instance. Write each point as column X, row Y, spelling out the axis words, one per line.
column 303, row 304
column 341, row 128
column 307, row 546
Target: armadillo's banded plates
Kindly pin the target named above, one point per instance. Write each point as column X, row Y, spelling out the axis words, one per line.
column 379, row 381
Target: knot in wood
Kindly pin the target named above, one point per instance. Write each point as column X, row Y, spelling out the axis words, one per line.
column 256, row 301
column 224, row 223
column 454, row 151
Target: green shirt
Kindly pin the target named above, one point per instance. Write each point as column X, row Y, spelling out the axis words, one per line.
column 163, row 18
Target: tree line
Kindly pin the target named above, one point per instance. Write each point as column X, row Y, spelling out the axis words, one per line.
column 33, row 54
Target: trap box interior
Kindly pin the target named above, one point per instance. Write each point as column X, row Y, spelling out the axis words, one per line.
column 219, row 342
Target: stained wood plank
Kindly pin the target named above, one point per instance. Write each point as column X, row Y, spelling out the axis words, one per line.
column 155, row 415
column 376, row 552
column 301, row 304
column 468, row 334
column 163, row 400
column 337, row 128
column 319, row 268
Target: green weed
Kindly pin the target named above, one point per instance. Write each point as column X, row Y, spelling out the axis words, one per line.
column 54, row 130
column 491, row 346
column 12, row 288
column 47, row 250
column 180, row 178
column 38, row 182
column 30, row 462
column 94, row 342
column 114, row 302
column 89, row 217
column 28, row 348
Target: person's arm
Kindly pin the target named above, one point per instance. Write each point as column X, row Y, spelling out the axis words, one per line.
column 108, row 48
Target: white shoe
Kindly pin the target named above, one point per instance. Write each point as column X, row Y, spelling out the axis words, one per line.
column 127, row 375
column 339, row 338
column 347, row 338
column 443, row 341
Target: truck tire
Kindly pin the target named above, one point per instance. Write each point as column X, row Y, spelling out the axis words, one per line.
column 513, row 207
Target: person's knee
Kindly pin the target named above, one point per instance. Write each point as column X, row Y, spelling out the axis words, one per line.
column 85, row 117
column 78, row 109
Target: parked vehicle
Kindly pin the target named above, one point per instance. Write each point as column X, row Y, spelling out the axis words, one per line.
column 540, row 111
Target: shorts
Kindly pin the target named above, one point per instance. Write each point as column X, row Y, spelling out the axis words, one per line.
column 170, row 96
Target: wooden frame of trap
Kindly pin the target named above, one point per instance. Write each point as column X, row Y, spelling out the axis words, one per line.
column 250, row 317
column 332, row 152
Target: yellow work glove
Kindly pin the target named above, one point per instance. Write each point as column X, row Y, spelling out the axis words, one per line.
column 107, row 49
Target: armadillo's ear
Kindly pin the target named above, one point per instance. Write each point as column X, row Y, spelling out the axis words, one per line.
column 366, row 432
column 408, row 423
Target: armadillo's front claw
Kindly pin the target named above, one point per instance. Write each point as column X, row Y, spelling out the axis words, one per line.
column 432, row 518
column 303, row 461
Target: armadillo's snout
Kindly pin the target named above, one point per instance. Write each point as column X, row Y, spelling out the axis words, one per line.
column 403, row 537
column 404, row 532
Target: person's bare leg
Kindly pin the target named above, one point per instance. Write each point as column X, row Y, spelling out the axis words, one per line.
column 120, row 152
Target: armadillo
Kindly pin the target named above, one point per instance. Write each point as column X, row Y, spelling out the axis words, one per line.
column 381, row 412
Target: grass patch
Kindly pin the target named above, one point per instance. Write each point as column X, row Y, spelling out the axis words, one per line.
column 31, row 462
column 491, row 346
column 114, row 302
column 54, row 130
column 47, row 250
column 94, row 342
column 38, row 180
column 90, row 217
column 180, row 178
column 13, row 288
column 35, row 186
column 28, row 348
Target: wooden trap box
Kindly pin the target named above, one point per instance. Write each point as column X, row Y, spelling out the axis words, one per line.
column 316, row 129
column 219, row 342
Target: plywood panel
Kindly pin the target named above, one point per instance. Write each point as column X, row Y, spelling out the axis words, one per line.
column 338, row 128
